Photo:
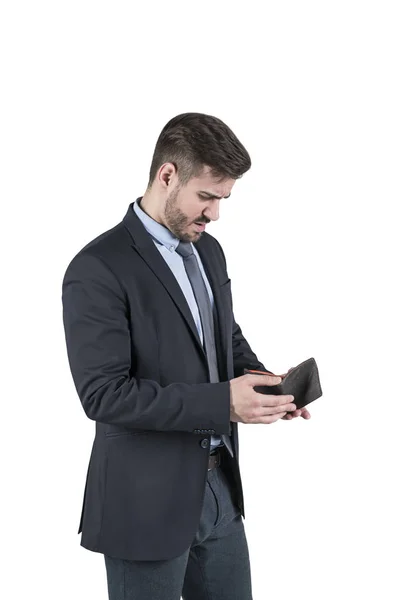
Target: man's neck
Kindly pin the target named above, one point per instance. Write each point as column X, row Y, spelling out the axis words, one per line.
column 148, row 205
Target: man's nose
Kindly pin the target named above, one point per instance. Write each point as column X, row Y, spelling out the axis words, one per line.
column 212, row 212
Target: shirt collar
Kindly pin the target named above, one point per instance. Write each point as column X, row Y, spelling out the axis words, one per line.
column 157, row 231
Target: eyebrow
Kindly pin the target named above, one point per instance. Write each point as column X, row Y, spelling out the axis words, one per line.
column 213, row 195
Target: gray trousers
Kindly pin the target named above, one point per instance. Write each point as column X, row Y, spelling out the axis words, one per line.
column 215, row 567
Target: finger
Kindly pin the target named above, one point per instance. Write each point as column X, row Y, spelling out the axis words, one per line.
column 273, row 418
column 294, row 414
column 303, row 412
column 271, row 411
column 266, row 420
column 266, row 379
column 275, row 400
column 287, row 417
column 264, row 411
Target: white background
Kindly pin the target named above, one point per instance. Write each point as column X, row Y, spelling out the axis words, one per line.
column 311, row 238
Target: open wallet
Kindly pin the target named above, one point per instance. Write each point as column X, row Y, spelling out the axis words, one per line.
column 302, row 382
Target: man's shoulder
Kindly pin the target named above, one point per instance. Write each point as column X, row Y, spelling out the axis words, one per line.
column 107, row 248
column 108, row 241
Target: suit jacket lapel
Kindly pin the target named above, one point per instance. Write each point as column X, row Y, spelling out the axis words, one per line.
column 143, row 244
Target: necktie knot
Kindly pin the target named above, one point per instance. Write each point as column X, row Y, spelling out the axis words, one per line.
column 185, row 249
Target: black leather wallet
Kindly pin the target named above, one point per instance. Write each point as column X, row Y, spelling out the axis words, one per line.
column 302, row 382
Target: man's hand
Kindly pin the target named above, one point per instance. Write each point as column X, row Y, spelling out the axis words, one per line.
column 299, row 412
column 249, row 406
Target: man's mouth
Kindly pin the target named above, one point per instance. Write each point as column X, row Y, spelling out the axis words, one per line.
column 200, row 226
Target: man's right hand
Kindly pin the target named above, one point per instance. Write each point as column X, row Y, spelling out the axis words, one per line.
column 248, row 406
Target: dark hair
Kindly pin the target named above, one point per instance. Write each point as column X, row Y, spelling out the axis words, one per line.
column 192, row 140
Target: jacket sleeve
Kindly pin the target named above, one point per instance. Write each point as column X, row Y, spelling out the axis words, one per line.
column 243, row 356
column 98, row 340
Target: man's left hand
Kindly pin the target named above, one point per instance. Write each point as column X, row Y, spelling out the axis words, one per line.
column 299, row 412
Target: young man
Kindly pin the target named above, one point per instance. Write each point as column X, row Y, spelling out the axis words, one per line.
column 157, row 360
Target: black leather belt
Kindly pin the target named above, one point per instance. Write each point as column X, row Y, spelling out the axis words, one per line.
column 215, row 457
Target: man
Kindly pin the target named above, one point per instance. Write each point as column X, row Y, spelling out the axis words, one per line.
column 157, row 360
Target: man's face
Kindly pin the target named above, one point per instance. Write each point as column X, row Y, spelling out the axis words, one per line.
column 188, row 209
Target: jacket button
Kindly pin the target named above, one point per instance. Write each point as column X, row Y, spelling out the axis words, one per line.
column 204, row 443
column 196, row 430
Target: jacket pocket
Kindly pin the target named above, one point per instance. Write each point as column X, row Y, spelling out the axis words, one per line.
column 225, row 285
column 120, row 433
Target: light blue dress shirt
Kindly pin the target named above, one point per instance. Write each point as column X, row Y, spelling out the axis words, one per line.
column 167, row 243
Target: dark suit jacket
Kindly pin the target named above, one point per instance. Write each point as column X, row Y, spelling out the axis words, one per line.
column 141, row 374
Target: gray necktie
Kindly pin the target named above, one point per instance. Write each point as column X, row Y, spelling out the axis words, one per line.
column 185, row 249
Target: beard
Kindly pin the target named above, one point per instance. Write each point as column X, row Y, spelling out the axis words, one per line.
column 176, row 220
